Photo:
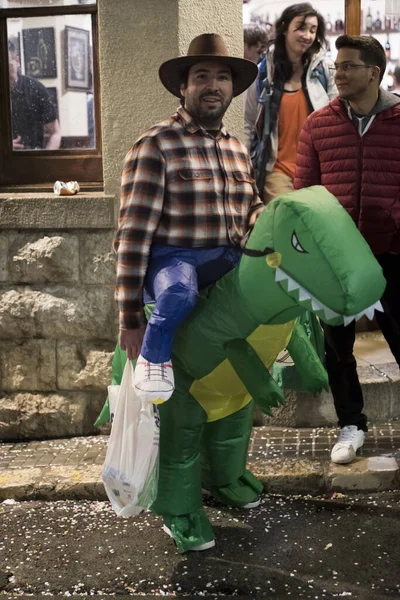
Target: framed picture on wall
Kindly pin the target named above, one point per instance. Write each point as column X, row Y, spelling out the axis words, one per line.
column 39, row 53
column 77, row 59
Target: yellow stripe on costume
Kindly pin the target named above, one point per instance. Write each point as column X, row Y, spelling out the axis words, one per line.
column 222, row 393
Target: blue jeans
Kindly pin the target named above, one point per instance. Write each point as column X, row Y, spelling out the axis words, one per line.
column 174, row 277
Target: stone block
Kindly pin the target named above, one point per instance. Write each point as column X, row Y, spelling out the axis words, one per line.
column 4, row 242
column 381, row 404
column 283, row 416
column 59, row 313
column 28, row 365
column 97, row 257
column 374, row 473
column 314, row 411
column 41, row 416
column 42, row 259
column 84, row 365
column 47, row 211
column 55, row 483
column 289, row 476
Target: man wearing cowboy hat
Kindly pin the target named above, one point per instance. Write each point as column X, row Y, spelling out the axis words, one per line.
column 188, row 197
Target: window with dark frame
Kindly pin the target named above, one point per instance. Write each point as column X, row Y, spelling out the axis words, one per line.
column 50, row 109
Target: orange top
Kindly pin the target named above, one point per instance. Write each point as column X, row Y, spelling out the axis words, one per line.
column 293, row 112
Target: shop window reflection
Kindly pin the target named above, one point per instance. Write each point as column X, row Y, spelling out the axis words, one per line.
column 51, row 82
column 381, row 19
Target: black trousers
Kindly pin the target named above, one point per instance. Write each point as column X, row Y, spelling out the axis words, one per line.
column 339, row 343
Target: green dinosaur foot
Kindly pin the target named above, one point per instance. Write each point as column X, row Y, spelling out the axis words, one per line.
column 190, row 532
column 240, row 493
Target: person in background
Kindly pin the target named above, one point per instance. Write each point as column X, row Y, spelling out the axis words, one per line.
column 294, row 79
column 34, row 117
column 352, row 147
column 396, row 81
column 255, row 42
column 188, row 199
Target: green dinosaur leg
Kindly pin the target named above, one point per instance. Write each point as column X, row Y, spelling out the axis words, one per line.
column 254, row 374
column 224, row 455
column 308, row 365
column 179, row 498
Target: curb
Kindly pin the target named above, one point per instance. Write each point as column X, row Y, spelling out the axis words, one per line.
column 279, row 476
column 293, row 476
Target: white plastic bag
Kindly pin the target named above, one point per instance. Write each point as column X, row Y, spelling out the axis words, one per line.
column 130, row 472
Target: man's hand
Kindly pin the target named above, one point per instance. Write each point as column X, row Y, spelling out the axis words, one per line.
column 131, row 340
column 254, row 215
column 17, row 144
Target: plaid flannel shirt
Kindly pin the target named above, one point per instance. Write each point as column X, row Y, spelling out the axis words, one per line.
column 180, row 187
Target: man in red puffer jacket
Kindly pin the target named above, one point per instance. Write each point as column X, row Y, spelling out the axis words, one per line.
column 352, row 147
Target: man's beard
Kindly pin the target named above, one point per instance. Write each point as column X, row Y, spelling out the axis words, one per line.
column 210, row 114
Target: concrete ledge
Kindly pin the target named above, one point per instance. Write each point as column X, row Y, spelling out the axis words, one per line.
column 364, row 474
column 53, row 483
column 381, row 390
column 288, row 476
column 281, row 476
column 48, row 211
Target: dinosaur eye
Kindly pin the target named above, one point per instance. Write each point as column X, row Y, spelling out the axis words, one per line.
column 296, row 244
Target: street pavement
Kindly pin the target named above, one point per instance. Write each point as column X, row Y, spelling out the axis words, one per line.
column 299, row 547
column 286, row 460
column 322, row 531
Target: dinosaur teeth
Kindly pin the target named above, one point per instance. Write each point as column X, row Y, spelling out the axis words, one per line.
column 316, row 304
column 292, row 284
column 330, row 314
column 304, row 295
column 281, row 275
column 348, row 320
column 368, row 312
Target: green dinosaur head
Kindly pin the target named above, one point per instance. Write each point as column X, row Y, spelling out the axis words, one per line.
column 306, row 250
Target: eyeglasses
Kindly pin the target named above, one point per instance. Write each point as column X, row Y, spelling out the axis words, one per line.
column 346, row 67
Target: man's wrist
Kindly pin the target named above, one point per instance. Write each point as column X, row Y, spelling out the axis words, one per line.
column 132, row 321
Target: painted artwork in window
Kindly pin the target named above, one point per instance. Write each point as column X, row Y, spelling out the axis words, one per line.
column 40, row 53
column 77, row 59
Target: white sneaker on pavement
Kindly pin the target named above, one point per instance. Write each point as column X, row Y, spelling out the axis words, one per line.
column 350, row 440
column 154, row 382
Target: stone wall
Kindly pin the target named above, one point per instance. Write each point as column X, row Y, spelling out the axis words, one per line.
column 57, row 313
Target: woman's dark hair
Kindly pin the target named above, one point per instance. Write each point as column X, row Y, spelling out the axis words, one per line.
column 371, row 51
column 283, row 68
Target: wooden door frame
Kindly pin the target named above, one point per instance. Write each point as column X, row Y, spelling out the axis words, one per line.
column 353, row 17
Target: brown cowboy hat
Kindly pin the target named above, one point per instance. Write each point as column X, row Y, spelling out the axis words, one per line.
column 208, row 47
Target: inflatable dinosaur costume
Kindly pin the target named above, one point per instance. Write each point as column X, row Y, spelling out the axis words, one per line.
column 304, row 253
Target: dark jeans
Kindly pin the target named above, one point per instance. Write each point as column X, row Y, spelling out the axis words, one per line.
column 339, row 342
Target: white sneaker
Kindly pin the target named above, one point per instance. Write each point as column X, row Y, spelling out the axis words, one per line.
column 154, row 382
column 350, row 440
